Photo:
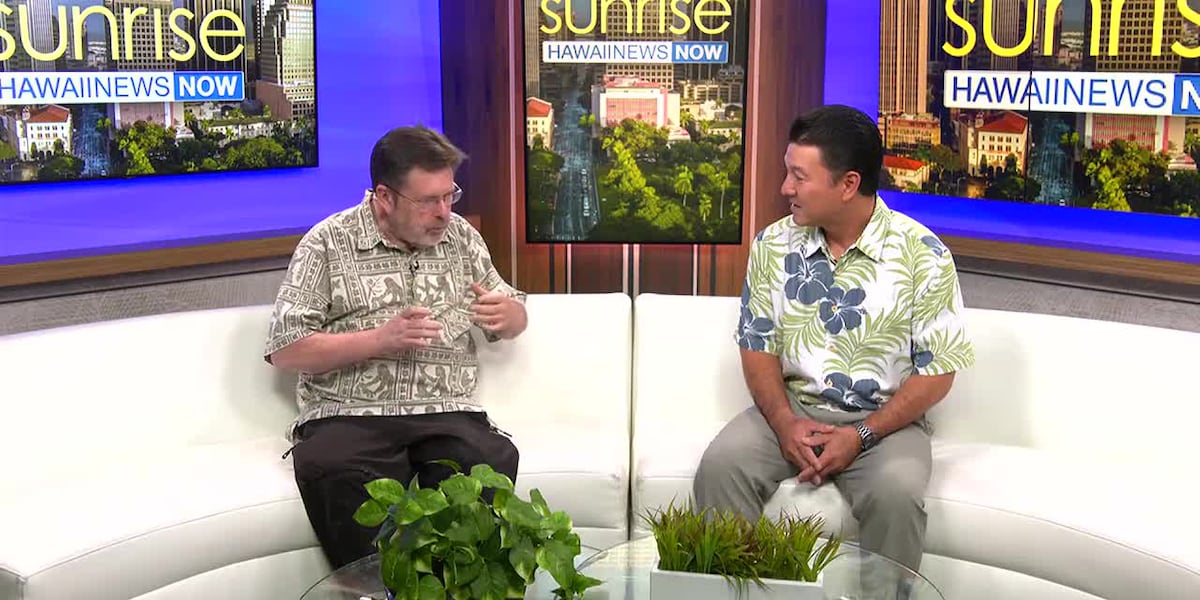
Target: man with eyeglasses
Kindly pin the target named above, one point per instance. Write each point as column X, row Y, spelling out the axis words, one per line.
column 375, row 313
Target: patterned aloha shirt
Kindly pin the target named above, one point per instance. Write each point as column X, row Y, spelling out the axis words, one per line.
column 849, row 332
column 345, row 277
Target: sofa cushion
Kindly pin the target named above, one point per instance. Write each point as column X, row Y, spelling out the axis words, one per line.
column 561, row 389
column 158, row 519
column 576, row 473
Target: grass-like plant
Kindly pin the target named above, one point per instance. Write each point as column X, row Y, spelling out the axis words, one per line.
column 730, row 545
column 448, row 542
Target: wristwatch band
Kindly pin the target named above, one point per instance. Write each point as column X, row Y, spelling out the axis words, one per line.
column 867, row 438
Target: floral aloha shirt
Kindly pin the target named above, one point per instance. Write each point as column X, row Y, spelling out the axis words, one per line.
column 849, row 332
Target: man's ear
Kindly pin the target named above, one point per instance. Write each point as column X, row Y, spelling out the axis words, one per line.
column 850, row 184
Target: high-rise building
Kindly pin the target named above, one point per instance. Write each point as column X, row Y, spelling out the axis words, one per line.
column 623, row 24
column 1136, row 52
column 201, row 61
column 139, row 43
column 903, row 56
column 42, row 34
column 140, row 48
column 533, row 48
column 1010, row 28
column 257, row 23
column 943, row 30
column 287, row 80
column 735, row 34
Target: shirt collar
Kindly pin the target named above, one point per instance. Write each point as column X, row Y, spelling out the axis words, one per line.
column 874, row 237
column 368, row 229
column 871, row 242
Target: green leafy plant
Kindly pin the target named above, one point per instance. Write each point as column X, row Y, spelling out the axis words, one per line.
column 449, row 542
column 730, row 545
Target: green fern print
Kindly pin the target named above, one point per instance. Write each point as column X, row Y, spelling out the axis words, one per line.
column 850, row 332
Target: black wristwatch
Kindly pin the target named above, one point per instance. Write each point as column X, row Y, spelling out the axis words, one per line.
column 866, row 437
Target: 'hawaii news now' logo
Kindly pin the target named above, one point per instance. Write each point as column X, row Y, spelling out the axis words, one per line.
column 121, row 87
column 1164, row 94
column 665, row 52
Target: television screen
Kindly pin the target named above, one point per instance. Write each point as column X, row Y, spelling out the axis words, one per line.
column 634, row 120
column 1076, row 103
column 93, row 89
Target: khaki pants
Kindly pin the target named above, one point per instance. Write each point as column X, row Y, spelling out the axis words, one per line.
column 885, row 486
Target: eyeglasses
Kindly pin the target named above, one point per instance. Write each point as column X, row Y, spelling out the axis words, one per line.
column 432, row 202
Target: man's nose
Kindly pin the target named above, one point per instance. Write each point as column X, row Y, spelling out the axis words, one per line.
column 786, row 188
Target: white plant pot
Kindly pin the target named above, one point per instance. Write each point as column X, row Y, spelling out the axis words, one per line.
column 670, row 585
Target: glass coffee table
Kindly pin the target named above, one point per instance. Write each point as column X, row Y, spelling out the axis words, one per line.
column 625, row 572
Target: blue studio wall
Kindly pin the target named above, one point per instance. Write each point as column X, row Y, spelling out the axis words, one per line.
column 378, row 67
column 852, row 78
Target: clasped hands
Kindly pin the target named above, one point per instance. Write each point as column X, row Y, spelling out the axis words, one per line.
column 819, row 450
column 416, row 328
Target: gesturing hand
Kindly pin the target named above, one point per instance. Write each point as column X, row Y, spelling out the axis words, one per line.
column 794, row 447
column 495, row 311
column 410, row 329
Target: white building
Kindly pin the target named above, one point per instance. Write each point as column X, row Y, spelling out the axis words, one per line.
column 621, row 98
column 539, row 120
column 37, row 129
column 992, row 141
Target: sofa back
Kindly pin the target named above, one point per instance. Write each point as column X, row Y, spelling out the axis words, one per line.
column 105, row 390
column 1107, row 390
column 90, row 392
column 1053, row 383
column 686, row 366
column 569, row 371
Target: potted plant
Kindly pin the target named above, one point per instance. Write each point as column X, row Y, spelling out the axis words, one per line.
column 449, row 542
column 718, row 555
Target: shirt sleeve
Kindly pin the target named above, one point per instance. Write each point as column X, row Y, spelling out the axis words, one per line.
column 756, row 319
column 939, row 337
column 304, row 297
column 484, row 272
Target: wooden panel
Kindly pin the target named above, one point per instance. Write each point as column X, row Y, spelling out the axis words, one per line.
column 597, row 268
column 150, row 260
column 473, row 35
column 789, row 81
column 706, row 272
column 665, row 269
column 560, row 263
column 1077, row 260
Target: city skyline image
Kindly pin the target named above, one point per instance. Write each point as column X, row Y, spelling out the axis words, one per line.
column 94, row 89
column 1075, row 108
column 634, row 121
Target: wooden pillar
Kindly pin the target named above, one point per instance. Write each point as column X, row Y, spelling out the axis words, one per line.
column 477, row 89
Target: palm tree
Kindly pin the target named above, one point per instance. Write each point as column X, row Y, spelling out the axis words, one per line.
column 683, row 182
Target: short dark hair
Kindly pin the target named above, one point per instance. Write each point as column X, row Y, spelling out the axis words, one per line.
column 848, row 140
column 403, row 148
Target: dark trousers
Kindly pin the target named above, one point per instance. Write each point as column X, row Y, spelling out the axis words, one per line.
column 335, row 457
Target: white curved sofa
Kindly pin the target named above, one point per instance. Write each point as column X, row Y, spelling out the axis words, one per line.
column 142, row 458
column 1061, row 458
